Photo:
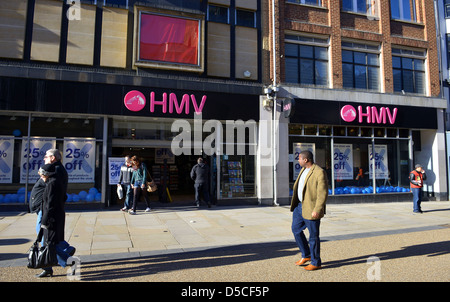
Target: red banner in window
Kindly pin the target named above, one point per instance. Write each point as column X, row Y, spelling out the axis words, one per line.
column 169, row 39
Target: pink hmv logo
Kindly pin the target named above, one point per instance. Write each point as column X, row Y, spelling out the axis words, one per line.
column 134, row 100
column 369, row 114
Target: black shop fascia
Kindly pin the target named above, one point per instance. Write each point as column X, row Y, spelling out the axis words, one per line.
column 340, row 113
column 179, row 104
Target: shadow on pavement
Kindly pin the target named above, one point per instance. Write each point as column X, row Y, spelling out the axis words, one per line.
column 428, row 249
column 128, row 268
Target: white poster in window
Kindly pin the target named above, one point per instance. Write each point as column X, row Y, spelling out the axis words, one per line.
column 79, row 159
column 32, row 157
column 115, row 163
column 381, row 162
column 297, row 148
column 343, row 161
column 6, row 160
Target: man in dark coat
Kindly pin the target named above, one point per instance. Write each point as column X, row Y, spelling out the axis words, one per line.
column 200, row 175
column 53, row 156
column 53, row 214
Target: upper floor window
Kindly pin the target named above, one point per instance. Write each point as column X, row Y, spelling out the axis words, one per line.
column 359, row 6
column 403, row 10
column 309, row 2
column 245, row 18
column 408, row 67
column 360, row 66
column 306, row 60
column 169, row 39
column 120, row 3
column 447, row 8
column 218, row 14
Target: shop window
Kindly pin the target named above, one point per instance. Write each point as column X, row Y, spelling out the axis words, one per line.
column 352, row 162
column 22, row 154
column 237, row 176
column 321, row 149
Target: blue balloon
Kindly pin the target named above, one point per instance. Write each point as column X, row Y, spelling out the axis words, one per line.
column 17, row 132
column 90, row 197
column 69, row 198
column 93, row 191
column 75, row 197
column 21, row 198
column 82, row 195
column 98, row 196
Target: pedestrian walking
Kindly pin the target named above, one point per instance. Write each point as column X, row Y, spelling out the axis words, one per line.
column 416, row 178
column 126, row 172
column 52, row 159
column 308, row 207
column 139, row 184
column 200, row 176
column 53, row 216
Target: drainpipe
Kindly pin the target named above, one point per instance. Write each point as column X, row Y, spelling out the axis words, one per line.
column 275, row 90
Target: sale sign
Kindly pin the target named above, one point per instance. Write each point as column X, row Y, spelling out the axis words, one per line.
column 297, row 148
column 6, row 160
column 379, row 155
column 115, row 163
column 79, row 159
column 343, row 161
column 32, row 157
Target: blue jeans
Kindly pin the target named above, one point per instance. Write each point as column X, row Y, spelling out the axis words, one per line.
column 201, row 189
column 417, row 199
column 128, row 196
column 62, row 248
column 311, row 249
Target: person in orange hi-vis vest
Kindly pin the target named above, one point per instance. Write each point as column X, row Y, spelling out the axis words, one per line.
column 416, row 178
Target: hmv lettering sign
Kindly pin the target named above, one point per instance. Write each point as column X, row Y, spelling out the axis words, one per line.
column 369, row 114
column 166, row 103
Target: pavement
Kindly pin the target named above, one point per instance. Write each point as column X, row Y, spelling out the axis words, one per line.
column 360, row 242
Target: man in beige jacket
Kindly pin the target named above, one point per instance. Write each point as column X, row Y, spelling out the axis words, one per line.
column 308, row 207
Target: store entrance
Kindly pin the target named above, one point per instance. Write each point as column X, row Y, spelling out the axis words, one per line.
column 179, row 188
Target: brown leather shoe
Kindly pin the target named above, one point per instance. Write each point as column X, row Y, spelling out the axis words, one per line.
column 303, row 261
column 312, row 267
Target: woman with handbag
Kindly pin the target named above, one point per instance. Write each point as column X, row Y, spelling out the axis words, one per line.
column 53, row 216
column 138, row 184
